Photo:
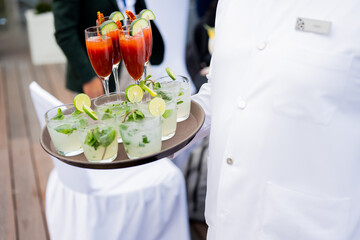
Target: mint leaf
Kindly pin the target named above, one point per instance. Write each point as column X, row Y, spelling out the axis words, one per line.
column 123, row 127
column 107, row 137
column 107, row 116
column 83, row 122
column 76, row 113
column 145, row 139
column 96, row 138
column 157, row 85
column 134, row 116
column 181, row 93
column 91, row 141
column 167, row 113
column 59, row 116
column 108, row 111
column 65, row 129
column 164, row 96
column 179, row 102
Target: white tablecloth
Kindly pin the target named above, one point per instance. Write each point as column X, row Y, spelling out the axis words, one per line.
column 139, row 203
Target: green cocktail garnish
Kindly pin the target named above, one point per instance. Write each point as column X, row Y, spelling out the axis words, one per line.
column 97, row 137
column 59, row 116
column 167, row 113
column 164, row 96
column 65, row 129
column 133, row 115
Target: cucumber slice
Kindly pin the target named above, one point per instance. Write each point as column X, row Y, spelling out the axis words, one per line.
column 147, row 14
column 116, row 16
column 137, row 25
column 107, row 27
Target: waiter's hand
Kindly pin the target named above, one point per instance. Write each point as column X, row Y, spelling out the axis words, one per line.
column 93, row 88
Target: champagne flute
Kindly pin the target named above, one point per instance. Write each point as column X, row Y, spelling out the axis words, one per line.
column 132, row 47
column 100, row 51
column 148, row 46
column 114, row 35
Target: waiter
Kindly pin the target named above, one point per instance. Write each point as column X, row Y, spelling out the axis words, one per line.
column 283, row 103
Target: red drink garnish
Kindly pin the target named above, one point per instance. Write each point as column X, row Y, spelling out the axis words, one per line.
column 130, row 15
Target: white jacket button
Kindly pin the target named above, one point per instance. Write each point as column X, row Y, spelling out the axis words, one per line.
column 229, row 161
column 261, row 46
column 241, row 104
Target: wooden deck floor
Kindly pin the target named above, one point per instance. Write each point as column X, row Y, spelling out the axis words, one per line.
column 24, row 166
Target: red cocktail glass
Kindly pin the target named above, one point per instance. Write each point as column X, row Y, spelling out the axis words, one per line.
column 132, row 47
column 148, row 46
column 100, row 52
column 114, row 35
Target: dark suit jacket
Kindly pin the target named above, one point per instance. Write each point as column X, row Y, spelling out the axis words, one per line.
column 72, row 17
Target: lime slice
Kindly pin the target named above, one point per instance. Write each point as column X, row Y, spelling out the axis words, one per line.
column 107, row 27
column 116, row 16
column 137, row 25
column 147, row 14
column 170, row 73
column 134, row 93
column 157, row 106
column 90, row 112
column 146, row 88
column 80, row 100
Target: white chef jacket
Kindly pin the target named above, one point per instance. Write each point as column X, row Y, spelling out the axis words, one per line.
column 284, row 110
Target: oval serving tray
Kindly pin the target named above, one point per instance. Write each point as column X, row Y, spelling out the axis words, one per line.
column 185, row 132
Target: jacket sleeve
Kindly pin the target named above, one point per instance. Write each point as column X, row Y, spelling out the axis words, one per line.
column 66, row 16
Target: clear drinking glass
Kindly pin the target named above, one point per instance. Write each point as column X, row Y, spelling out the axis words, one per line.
column 141, row 137
column 169, row 93
column 184, row 94
column 101, row 54
column 99, row 142
column 132, row 47
column 114, row 35
column 110, row 107
column 62, row 123
column 147, row 31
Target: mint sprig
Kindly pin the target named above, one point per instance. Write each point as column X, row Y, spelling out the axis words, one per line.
column 59, row 116
column 133, row 115
column 65, row 129
column 96, row 137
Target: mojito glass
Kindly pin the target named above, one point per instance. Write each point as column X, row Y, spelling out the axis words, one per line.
column 169, row 92
column 63, row 123
column 110, row 107
column 141, row 136
column 184, row 95
column 99, row 142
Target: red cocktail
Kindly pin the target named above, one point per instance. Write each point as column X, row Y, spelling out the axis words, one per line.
column 148, row 42
column 114, row 34
column 100, row 51
column 133, row 52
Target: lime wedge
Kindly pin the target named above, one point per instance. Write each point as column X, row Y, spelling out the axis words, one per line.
column 137, row 25
column 170, row 73
column 157, row 106
column 90, row 112
column 80, row 100
column 134, row 93
column 116, row 16
column 107, row 27
column 147, row 14
column 146, row 88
